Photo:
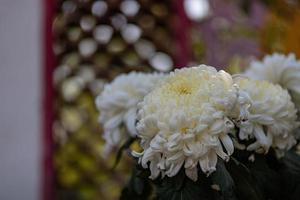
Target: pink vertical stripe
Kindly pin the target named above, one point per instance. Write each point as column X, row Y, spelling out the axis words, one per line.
column 48, row 96
column 182, row 24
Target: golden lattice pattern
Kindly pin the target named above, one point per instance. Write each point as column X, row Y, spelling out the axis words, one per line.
column 93, row 42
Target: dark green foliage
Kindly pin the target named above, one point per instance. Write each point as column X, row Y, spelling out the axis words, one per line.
column 223, row 179
column 181, row 187
column 124, row 147
column 246, row 187
column 267, row 178
column 139, row 187
column 290, row 175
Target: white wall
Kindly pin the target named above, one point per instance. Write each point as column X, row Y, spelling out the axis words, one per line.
column 20, row 99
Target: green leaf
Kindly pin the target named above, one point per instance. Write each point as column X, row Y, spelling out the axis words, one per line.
column 125, row 146
column 268, row 179
column 138, row 188
column 290, row 173
column 291, row 161
column 246, row 185
column 181, row 187
column 223, row 179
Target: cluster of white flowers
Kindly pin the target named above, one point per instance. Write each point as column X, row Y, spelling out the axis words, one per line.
column 183, row 122
column 278, row 69
column 117, row 105
column 271, row 117
column 190, row 117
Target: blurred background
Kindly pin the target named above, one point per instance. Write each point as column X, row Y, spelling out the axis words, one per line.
column 56, row 56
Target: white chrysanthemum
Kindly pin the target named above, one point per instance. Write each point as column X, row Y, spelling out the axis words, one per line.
column 183, row 123
column 271, row 117
column 279, row 69
column 118, row 105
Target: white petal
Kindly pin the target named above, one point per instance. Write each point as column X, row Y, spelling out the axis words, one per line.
column 175, row 157
column 187, row 150
column 192, row 173
column 246, row 129
column 130, row 122
column 115, row 137
column 228, row 144
column 262, row 119
column 175, row 137
column 175, row 167
column 261, row 137
column 204, row 164
column 106, row 150
column 189, row 163
column 157, row 143
column 217, row 127
column 213, row 159
column 161, row 164
column 113, row 122
column 148, row 154
column 253, row 146
column 221, row 153
column 188, row 136
column 201, row 128
column 154, row 170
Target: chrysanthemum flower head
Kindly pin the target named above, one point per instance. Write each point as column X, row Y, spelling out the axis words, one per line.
column 118, row 105
column 183, row 123
column 271, row 117
column 279, row 69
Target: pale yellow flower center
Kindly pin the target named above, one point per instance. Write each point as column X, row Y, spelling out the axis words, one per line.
column 182, row 85
column 183, row 89
column 184, row 130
